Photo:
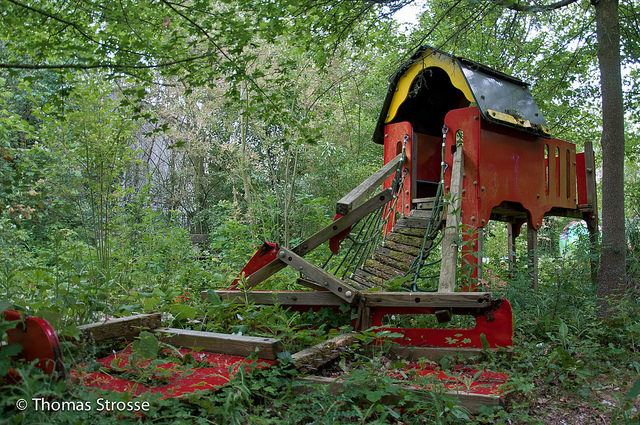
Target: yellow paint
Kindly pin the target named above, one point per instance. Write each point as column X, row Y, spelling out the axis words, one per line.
column 430, row 58
column 501, row 116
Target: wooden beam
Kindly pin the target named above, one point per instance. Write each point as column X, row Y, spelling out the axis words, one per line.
column 427, row 299
column 322, row 236
column 473, row 402
column 415, row 353
column 234, row 345
column 364, row 189
column 128, row 327
column 284, row 298
column 310, row 359
column 310, row 284
column 317, row 274
column 532, row 249
column 450, row 238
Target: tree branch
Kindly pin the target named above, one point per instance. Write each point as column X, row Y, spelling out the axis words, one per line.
column 99, row 65
column 531, row 8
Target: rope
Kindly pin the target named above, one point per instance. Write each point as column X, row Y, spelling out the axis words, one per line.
column 369, row 231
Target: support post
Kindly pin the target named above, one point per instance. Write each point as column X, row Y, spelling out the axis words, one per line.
column 480, row 250
column 592, row 227
column 511, row 247
column 449, row 262
column 532, row 248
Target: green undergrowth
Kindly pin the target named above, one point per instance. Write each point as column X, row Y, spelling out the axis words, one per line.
column 564, row 357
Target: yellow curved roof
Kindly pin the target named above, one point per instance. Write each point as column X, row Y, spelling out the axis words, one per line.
column 430, row 58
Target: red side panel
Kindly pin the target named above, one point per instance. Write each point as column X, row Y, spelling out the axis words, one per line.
column 266, row 254
column 581, row 176
column 38, row 340
column 397, row 136
column 496, row 326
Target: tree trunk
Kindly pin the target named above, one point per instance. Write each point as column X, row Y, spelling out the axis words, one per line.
column 612, row 277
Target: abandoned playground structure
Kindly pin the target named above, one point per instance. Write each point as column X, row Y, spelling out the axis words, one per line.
column 463, row 144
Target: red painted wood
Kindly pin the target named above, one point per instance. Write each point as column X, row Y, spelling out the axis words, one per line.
column 266, row 254
column 38, row 340
column 497, row 327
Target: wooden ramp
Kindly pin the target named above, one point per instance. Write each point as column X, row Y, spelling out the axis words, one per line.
column 394, row 257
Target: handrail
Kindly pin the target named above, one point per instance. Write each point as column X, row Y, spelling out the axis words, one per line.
column 358, row 195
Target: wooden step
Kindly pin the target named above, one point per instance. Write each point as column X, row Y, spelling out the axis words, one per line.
column 404, row 240
column 396, row 255
column 366, row 278
column 412, row 223
column 410, row 231
column 400, row 247
column 401, row 266
column 425, row 214
column 423, row 203
column 382, row 270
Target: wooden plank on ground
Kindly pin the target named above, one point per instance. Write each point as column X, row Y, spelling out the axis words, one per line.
column 473, row 402
column 234, row 345
column 449, row 262
column 322, row 236
column 364, row 189
column 428, row 299
column 285, row 298
column 310, row 359
column 128, row 327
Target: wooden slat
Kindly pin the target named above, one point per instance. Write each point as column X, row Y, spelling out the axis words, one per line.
column 382, row 270
column 128, row 327
column 391, row 262
column 409, row 231
column 310, row 359
column 369, row 279
column 398, row 256
column 234, row 345
column 320, row 237
column 284, row 298
column 317, row 274
column 356, row 284
column 400, row 247
column 422, row 214
column 364, row 189
column 413, row 222
column 399, row 238
column 428, row 299
column 449, row 262
column 473, row 402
